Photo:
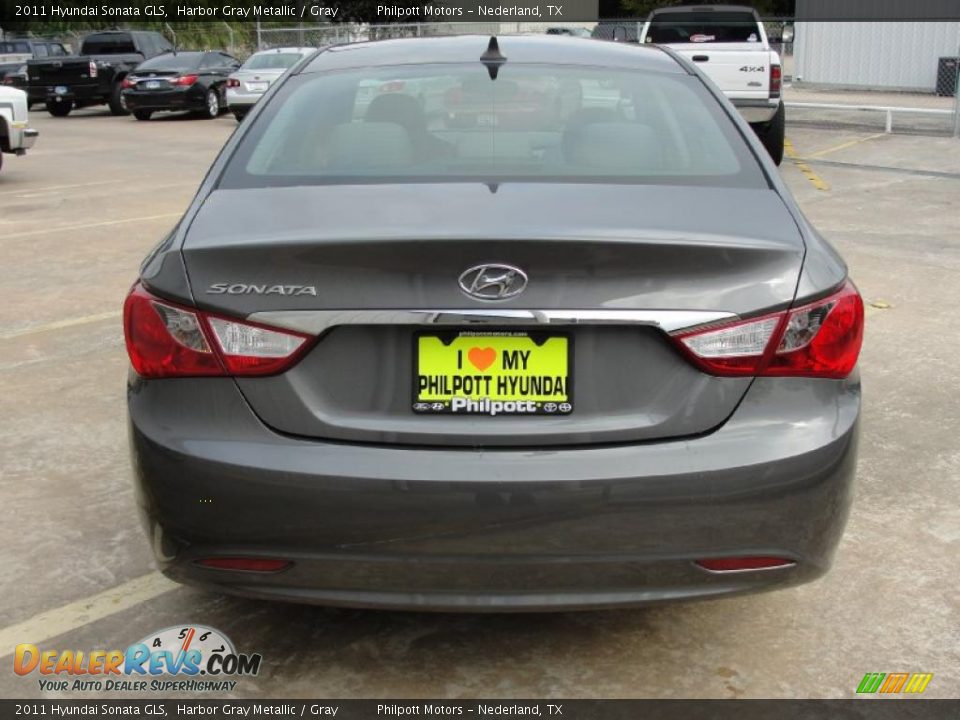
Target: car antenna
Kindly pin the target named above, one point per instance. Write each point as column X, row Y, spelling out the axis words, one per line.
column 492, row 58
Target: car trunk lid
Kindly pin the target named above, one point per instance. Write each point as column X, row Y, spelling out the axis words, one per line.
column 290, row 256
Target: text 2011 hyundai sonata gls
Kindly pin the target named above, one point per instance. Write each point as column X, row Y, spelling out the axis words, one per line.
column 456, row 323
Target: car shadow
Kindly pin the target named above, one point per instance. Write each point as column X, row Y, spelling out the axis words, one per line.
column 400, row 654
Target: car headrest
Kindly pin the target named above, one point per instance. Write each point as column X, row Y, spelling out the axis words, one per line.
column 614, row 147
column 397, row 108
column 373, row 145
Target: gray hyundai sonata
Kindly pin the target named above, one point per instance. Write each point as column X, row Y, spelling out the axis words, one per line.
column 475, row 323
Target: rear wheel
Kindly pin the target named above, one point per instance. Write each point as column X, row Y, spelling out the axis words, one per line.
column 59, row 109
column 239, row 115
column 142, row 114
column 773, row 133
column 118, row 106
column 213, row 104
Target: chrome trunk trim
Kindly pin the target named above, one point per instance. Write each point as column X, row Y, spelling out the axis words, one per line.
column 315, row 322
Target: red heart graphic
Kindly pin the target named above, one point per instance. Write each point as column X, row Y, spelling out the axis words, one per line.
column 482, row 358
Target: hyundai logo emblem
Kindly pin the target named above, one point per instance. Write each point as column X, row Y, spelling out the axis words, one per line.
column 493, row 282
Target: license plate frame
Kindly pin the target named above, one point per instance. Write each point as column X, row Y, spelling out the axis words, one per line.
column 152, row 85
column 548, row 402
column 61, row 90
column 258, row 87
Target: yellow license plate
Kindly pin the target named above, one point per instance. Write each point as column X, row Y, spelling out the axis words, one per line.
column 492, row 373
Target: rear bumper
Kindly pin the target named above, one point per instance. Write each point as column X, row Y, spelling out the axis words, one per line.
column 77, row 94
column 186, row 99
column 451, row 529
column 28, row 138
column 757, row 111
column 241, row 100
column 19, row 140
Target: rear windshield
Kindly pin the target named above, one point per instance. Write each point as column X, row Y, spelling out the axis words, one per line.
column 14, row 47
column 118, row 44
column 703, row 27
column 453, row 122
column 170, row 61
column 271, row 61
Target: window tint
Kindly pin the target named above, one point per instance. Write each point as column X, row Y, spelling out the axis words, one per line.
column 14, row 47
column 172, row 61
column 271, row 61
column 703, row 27
column 57, row 50
column 147, row 45
column 118, row 44
column 210, row 61
column 40, row 51
column 454, row 122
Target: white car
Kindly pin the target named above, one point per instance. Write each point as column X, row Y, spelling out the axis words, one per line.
column 257, row 74
column 15, row 137
column 729, row 44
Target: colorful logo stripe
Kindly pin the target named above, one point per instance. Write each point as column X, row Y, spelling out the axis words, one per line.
column 894, row 683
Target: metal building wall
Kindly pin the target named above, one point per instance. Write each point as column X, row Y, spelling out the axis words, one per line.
column 886, row 55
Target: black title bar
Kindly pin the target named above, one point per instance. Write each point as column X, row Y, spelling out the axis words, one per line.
column 486, row 709
column 15, row 13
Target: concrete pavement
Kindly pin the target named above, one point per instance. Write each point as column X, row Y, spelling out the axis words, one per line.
column 81, row 210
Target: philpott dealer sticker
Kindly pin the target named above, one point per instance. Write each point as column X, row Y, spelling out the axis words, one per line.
column 184, row 658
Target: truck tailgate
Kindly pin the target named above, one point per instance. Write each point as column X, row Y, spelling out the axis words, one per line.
column 740, row 70
column 68, row 71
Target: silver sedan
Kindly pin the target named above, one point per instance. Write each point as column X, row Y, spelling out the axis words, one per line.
column 257, row 74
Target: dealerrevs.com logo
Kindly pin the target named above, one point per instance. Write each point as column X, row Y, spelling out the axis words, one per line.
column 181, row 658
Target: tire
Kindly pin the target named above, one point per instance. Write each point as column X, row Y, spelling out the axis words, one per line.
column 143, row 114
column 59, row 109
column 773, row 133
column 213, row 105
column 118, row 106
column 239, row 115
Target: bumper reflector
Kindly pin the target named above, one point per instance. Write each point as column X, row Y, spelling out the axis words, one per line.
column 737, row 564
column 244, row 564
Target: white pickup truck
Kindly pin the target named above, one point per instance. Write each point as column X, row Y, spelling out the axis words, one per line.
column 729, row 44
column 15, row 136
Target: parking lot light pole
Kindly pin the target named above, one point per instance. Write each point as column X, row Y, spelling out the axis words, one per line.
column 956, row 91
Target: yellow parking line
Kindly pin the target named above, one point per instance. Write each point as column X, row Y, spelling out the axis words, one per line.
column 113, row 314
column 67, row 228
column 844, row 146
column 51, row 623
column 818, row 182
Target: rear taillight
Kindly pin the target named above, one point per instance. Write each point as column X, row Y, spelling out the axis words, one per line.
column 233, row 82
column 128, row 83
column 253, row 349
column 92, row 69
column 820, row 339
column 776, row 80
column 165, row 339
column 184, row 80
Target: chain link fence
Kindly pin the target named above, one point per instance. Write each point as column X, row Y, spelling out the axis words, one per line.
column 888, row 77
column 883, row 76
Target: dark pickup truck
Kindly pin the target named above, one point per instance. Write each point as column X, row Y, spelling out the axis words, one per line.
column 94, row 76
